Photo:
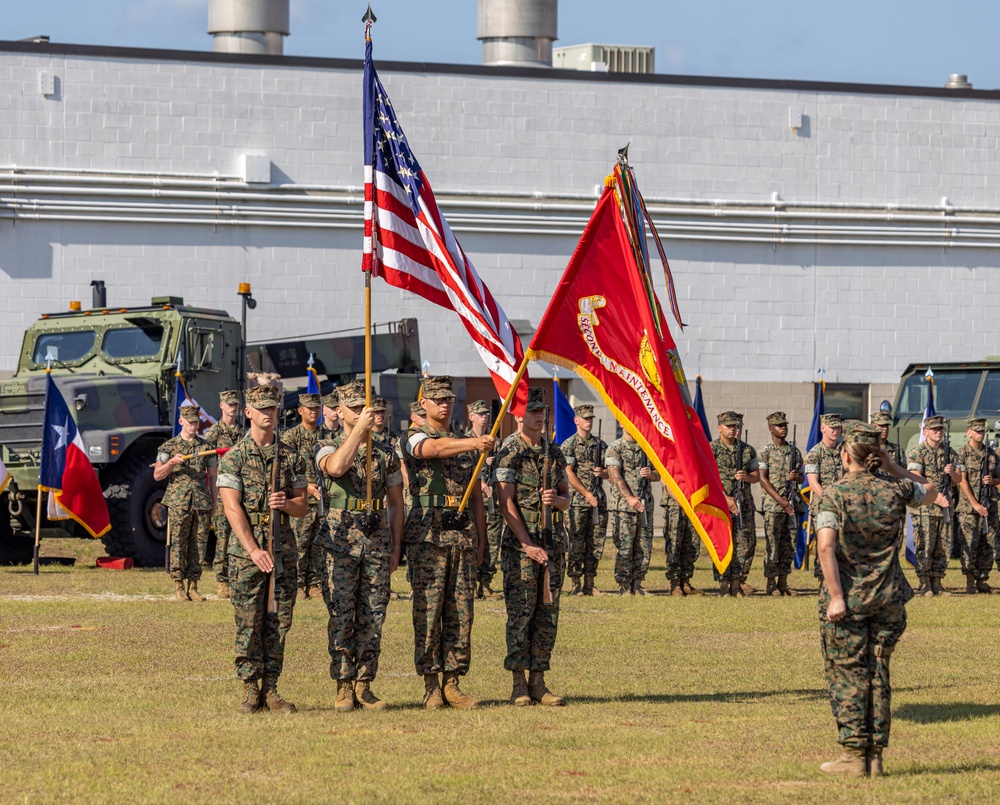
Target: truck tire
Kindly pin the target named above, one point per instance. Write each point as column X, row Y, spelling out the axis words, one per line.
column 14, row 549
column 138, row 521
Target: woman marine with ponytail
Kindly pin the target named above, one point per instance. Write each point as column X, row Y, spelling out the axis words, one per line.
column 862, row 601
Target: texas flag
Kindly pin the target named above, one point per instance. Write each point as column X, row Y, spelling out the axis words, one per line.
column 66, row 472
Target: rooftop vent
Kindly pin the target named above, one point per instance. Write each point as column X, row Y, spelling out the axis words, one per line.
column 958, row 81
column 248, row 26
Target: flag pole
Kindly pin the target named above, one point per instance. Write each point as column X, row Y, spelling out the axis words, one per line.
column 493, row 432
column 368, row 19
column 38, row 527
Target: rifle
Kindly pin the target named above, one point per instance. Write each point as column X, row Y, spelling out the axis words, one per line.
column 643, row 489
column 985, row 496
column 274, row 526
column 899, row 450
column 946, row 483
column 546, row 582
column 739, row 488
column 596, row 483
column 491, row 501
column 792, row 494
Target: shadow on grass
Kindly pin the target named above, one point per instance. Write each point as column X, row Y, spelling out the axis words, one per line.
column 964, row 768
column 956, row 711
column 679, row 698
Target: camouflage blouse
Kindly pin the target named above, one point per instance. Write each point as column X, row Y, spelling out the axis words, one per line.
column 583, row 454
column 521, row 464
column 187, row 487
column 930, row 462
column 777, row 461
column 825, row 462
column 303, row 441
column 725, row 459
column 629, row 459
column 973, row 463
column 866, row 510
column 222, row 435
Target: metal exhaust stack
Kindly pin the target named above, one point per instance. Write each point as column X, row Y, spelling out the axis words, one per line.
column 517, row 32
column 248, row 26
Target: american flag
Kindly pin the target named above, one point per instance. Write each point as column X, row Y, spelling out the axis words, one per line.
column 410, row 245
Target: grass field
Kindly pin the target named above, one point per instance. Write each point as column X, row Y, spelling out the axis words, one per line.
column 115, row 693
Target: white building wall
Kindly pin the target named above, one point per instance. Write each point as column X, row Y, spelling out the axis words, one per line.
column 755, row 311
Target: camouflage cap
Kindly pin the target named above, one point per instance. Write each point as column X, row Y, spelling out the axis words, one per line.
column 332, row 400
column 832, row 420
column 310, row 401
column 860, row 432
column 261, row 397
column 584, row 411
column 730, row 418
column 353, row 394
column 190, row 413
column 777, row 418
column 231, row 396
column 976, row 424
column 438, row 388
column 881, row 418
column 478, row 407
column 536, row 399
column 417, row 407
column 378, row 404
column 934, row 423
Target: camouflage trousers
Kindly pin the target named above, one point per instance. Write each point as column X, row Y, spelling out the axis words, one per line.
column 634, row 541
column 856, row 659
column 260, row 635
column 681, row 545
column 932, row 544
column 744, row 546
column 780, row 530
column 978, row 549
column 356, row 591
column 588, row 528
column 494, row 531
column 444, row 594
column 531, row 625
column 188, row 543
column 223, row 531
column 311, row 562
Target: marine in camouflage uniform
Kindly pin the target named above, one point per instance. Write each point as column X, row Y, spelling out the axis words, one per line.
column 932, row 528
column 245, row 480
column 444, row 547
column 223, row 434
column 782, row 508
column 303, row 439
column 681, row 544
column 977, row 507
column 588, row 511
column 632, row 506
column 533, row 565
column 360, row 547
column 822, row 467
column 725, row 449
column 862, row 600
column 188, row 499
column 479, row 421
column 883, row 421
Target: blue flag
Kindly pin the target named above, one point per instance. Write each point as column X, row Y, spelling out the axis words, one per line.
column 312, row 381
column 699, row 408
column 802, row 541
column 564, row 425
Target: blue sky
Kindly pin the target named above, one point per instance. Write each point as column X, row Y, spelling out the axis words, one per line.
column 917, row 42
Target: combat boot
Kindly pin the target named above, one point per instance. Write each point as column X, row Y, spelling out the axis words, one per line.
column 179, row 594
column 223, row 590
column 519, row 696
column 783, row 587
column 577, row 589
column 364, row 696
column 736, row 589
column 433, row 700
column 970, row 584
column 852, row 762
column 874, row 757
column 454, row 695
column 345, row 701
column 541, row 694
column 924, row 588
column 937, row 588
column 302, row 594
column 273, row 700
column 983, row 586
column 638, row 589
column 689, row 590
column 193, row 593
column 748, row 589
column 676, row 588
column 772, row 587
column 724, row 588
column 251, row 698
column 588, row 586
column 622, row 589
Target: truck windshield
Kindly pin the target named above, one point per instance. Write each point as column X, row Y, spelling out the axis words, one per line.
column 133, row 342
column 989, row 400
column 954, row 394
column 65, row 347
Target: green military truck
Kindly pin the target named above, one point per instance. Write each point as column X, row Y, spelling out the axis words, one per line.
column 961, row 390
column 116, row 369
